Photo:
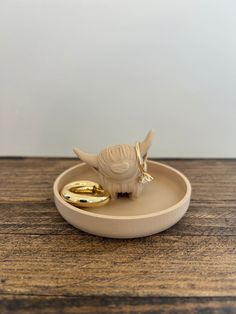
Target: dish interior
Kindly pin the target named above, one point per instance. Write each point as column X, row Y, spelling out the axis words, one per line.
column 167, row 189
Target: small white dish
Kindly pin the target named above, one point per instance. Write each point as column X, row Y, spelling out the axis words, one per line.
column 162, row 204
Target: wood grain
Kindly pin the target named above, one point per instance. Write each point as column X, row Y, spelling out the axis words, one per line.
column 82, row 265
column 27, row 202
column 116, row 305
column 47, row 266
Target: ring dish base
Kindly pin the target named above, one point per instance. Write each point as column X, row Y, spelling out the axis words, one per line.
column 162, row 203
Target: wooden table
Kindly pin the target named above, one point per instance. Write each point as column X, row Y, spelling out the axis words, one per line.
column 47, row 266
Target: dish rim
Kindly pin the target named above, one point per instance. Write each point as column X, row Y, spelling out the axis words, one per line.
column 81, row 211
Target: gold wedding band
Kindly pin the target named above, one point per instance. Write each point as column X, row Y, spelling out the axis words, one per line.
column 85, row 194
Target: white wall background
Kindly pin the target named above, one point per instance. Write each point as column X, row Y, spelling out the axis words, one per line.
column 95, row 72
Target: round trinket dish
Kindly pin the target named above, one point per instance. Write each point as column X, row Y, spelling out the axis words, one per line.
column 162, row 204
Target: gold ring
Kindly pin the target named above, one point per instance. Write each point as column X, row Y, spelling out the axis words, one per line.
column 142, row 164
column 85, row 194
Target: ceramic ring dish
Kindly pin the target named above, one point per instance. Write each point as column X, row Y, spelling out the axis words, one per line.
column 163, row 203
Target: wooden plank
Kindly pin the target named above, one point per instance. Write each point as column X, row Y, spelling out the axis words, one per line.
column 116, row 305
column 47, row 266
column 26, row 200
column 87, row 265
column 29, row 179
